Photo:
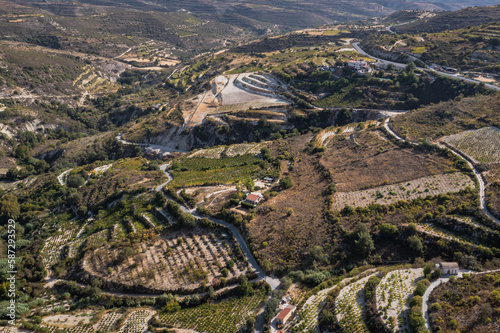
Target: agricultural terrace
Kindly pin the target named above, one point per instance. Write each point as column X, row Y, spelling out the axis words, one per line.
column 309, row 312
column 177, row 262
column 350, row 307
column 393, row 297
column 222, row 317
column 83, row 322
column 482, row 145
column 365, row 159
column 125, row 174
column 434, row 230
column 230, row 151
column 53, row 246
column 208, row 171
column 68, row 320
column 137, row 321
column 389, row 194
column 324, row 136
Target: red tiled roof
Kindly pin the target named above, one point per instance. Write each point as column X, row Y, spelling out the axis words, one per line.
column 253, row 197
column 285, row 312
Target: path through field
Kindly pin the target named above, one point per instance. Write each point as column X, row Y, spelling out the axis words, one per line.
column 478, row 176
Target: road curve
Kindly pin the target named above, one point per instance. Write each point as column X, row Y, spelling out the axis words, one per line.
column 479, row 177
column 437, row 283
column 427, row 69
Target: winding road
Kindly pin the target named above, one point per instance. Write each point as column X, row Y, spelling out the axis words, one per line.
column 437, row 283
column 427, row 69
column 273, row 282
column 477, row 174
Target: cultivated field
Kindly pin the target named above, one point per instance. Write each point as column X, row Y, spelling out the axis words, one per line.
column 81, row 322
column 482, row 145
column 223, row 317
column 393, row 297
column 230, row 151
column 137, row 321
column 350, row 307
column 417, row 188
column 176, row 262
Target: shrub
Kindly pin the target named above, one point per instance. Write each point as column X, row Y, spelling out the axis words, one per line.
column 75, row 181
column 286, row 183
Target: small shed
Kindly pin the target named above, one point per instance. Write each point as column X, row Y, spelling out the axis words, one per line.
column 285, row 315
column 448, row 267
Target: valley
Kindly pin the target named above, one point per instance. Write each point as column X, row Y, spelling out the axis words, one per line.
column 236, row 166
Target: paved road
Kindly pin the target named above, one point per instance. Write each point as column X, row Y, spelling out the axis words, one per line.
column 479, row 177
column 427, row 69
column 273, row 282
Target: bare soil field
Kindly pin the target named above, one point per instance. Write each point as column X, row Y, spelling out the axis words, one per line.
column 289, row 236
column 417, row 188
column 374, row 161
column 62, row 320
column 174, row 262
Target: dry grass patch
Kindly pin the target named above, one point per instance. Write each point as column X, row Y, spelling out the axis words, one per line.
column 374, row 161
column 290, row 236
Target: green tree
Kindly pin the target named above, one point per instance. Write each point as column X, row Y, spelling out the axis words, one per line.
column 415, row 245
column 75, row 181
column 249, row 184
column 363, row 241
column 388, row 231
column 9, row 207
column 286, row 183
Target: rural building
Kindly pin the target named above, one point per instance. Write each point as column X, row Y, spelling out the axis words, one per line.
column 268, row 180
column 285, row 315
column 358, row 65
column 448, row 267
column 254, row 198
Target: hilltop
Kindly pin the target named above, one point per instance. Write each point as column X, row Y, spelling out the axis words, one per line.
column 471, row 16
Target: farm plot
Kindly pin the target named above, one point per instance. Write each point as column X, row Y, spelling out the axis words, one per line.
column 176, row 262
column 482, row 145
column 223, row 317
column 52, row 250
column 68, row 320
column 107, row 321
column 230, row 151
column 204, row 171
column 350, row 307
column 309, row 313
column 96, row 240
column 393, row 297
column 433, row 230
column 389, row 194
column 137, row 321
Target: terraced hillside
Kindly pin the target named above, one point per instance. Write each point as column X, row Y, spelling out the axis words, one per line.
column 170, row 263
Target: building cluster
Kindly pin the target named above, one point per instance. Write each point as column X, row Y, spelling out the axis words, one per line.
column 360, row 66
